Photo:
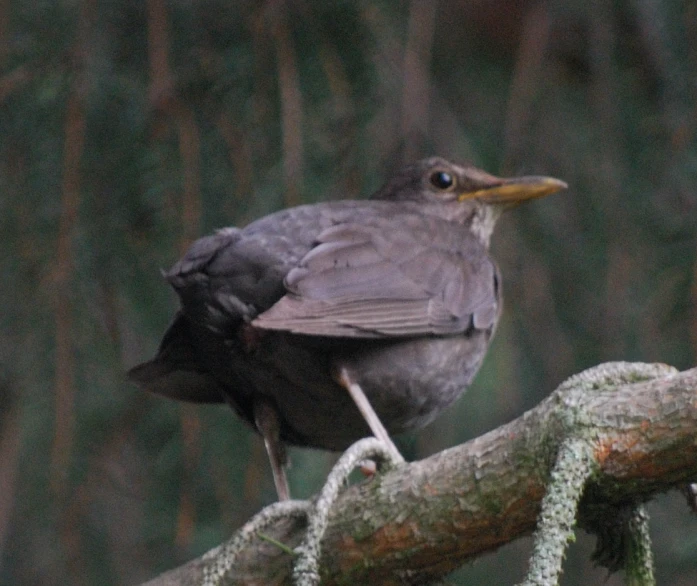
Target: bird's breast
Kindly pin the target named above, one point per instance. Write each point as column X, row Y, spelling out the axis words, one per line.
column 410, row 383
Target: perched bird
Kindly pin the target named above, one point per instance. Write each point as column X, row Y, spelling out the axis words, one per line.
column 321, row 323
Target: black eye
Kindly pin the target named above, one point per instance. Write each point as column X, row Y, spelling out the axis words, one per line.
column 442, row 180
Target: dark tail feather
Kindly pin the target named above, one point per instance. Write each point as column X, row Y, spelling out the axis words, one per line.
column 175, row 372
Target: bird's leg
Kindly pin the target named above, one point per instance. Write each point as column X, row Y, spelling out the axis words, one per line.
column 266, row 420
column 366, row 409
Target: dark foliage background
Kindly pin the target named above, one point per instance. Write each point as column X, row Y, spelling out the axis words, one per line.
column 129, row 128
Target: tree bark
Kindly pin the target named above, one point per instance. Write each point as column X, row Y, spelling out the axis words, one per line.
column 422, row 520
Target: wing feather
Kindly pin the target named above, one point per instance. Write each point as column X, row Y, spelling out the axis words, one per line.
column 374, row 280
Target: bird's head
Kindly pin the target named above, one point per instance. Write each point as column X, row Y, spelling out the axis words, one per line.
column 464, row 193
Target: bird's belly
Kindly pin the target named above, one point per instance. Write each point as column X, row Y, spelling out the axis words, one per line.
column 408, row 383
column 411, row 383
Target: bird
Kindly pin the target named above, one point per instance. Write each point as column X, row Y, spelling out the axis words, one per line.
column 326, row 323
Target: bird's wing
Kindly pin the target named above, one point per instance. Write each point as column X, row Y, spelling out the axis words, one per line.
column 400, row 276
column 229, row 277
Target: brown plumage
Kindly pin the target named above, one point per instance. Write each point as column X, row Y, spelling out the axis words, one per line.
column 396, row 295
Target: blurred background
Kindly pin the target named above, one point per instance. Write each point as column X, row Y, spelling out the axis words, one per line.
column 129, row 128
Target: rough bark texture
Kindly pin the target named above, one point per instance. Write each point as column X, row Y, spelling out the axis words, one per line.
column 426, row 518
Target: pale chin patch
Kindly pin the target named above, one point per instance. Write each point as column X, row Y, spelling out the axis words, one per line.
column 483, row 222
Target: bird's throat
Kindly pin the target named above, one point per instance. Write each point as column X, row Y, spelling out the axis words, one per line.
column 483, row 221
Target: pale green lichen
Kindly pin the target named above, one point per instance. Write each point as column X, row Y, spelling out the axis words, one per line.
column 614, row 374
column 639, row 559
column 574, row 466
column 219, row 562
column 306, row 567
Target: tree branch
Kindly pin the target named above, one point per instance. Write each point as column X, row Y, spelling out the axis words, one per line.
column 422, row 520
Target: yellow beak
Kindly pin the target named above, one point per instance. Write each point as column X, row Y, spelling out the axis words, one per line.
column 515, row 189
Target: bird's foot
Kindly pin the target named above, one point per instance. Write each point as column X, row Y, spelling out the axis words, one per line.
column 267, row 422
column 366, row 409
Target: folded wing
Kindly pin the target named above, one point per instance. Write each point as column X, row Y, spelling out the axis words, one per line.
column 398, row 276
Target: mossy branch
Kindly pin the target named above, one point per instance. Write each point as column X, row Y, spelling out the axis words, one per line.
column 421, row 520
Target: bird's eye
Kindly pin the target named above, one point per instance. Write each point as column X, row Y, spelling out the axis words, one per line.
column 442, row 180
